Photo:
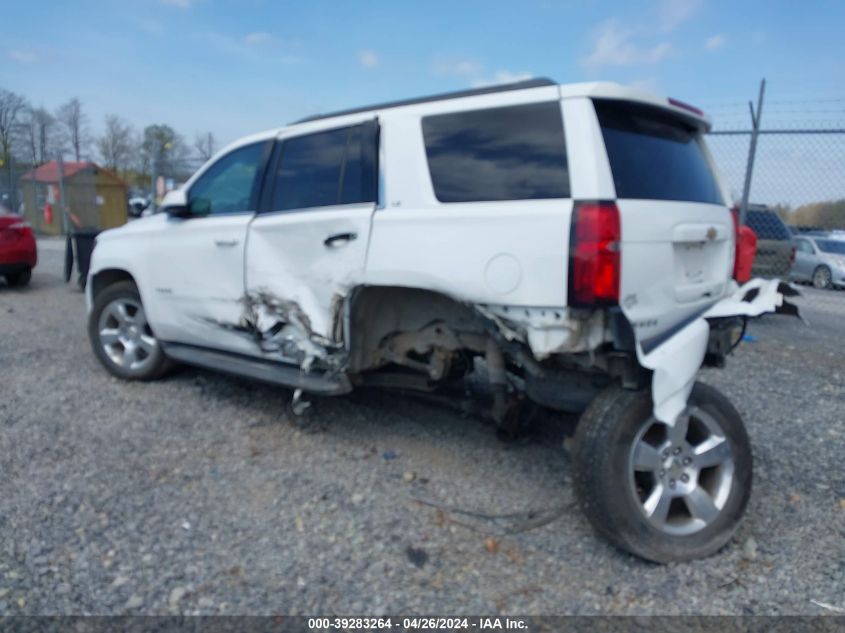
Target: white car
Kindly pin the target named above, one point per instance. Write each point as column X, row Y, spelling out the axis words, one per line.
column 572, row 244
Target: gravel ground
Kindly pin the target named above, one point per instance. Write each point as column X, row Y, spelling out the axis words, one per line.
column 196, row 494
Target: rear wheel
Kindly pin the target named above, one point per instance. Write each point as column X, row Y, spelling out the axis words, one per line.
column 121, row 336
column 822, row 277
column 20, row 278
column 665, row 493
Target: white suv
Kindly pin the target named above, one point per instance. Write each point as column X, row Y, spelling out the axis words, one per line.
column 571, row 245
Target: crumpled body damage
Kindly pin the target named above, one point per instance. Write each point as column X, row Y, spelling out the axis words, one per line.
column 676, row 360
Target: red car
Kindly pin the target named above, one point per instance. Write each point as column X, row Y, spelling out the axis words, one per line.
column 18, row 254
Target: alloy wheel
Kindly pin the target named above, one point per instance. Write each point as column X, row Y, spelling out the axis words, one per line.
column 125, row 334
column 681, row 475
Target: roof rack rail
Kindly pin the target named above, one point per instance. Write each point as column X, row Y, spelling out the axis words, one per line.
column 519, row 85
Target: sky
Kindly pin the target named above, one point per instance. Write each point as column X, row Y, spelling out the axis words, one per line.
column 234, row 68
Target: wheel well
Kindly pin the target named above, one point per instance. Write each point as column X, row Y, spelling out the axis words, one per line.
column 107, row 277
column 376, row 312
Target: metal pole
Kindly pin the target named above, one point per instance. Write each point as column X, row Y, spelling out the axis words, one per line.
column 752, row 150
column 62, row 207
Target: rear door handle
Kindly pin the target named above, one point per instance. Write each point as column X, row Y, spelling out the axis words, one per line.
column 225, row 243
column 331, row 240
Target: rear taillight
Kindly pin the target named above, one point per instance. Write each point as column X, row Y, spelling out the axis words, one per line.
column 745, row 248
column 21, row 227
column 594, row 254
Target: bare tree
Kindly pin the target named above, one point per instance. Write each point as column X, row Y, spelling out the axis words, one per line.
column 11, row 107
column 117, row 143
column 74, row 122
column 37, row 136
column 205, row 144
column 164, row 152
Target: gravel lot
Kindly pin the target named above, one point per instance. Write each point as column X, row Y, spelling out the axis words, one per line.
column 195, row 494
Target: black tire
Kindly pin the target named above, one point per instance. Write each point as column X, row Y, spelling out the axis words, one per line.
column 822, row 278
column 604, row 439
column 21, row 278
column 153, row 365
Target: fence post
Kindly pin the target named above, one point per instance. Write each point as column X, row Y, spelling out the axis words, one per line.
column 752, row 150
column 62, row 207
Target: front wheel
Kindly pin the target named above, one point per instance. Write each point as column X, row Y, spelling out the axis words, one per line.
column 663, row 492
column 121, row 336
column 822, row 277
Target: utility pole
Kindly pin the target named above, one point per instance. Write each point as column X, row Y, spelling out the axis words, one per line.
column 752, row 150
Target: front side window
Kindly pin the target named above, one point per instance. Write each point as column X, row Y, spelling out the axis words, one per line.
column 228, row 185
column 804, row 246
column 326, row 169
column 510, row 153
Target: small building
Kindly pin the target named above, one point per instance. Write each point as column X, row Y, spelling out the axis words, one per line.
column 94, row 197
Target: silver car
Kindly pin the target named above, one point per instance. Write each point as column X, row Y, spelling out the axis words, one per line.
column 819, row 259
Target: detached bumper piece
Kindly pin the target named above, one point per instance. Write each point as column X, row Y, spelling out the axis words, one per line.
column 675, row 361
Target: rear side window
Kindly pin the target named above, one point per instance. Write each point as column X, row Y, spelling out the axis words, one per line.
column 511, row 153
column 654, row 155
column 326, row 169
column 832, row 246
column 767, row 225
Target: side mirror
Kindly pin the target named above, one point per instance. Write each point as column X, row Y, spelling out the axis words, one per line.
column 175, row 204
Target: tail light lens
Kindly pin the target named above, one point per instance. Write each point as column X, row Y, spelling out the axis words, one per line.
column 21, row 228
column 594, row 252
column 745, row 249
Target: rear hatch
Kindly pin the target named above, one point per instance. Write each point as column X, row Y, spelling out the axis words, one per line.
column 677, row 232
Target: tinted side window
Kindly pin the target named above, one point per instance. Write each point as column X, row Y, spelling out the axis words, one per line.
column 767, row 225
column 511, row 153
column 654, row 155
column 325, row 169
column 228, row 185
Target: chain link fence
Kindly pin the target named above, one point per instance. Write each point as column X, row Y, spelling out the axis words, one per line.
column 797, row 190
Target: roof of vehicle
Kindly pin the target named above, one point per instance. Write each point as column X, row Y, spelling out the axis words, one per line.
column 518, row 85
column 597, row 89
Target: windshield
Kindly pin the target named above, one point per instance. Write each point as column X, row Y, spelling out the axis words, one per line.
column 832, row 246
column 655, row 155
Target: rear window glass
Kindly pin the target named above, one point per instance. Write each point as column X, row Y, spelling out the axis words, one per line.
column 767, row 225
column 654, row 155
column 832, row 246
column 511, row 153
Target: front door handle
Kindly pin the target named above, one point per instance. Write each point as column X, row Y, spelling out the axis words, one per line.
column 225, row 243
column 331, row 240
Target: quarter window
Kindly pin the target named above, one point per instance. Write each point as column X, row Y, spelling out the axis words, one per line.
column 325, row 169
column 228, row 185
column 510, row 153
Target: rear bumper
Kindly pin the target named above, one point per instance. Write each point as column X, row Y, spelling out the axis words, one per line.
column 13, row 269
column 21, row 253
